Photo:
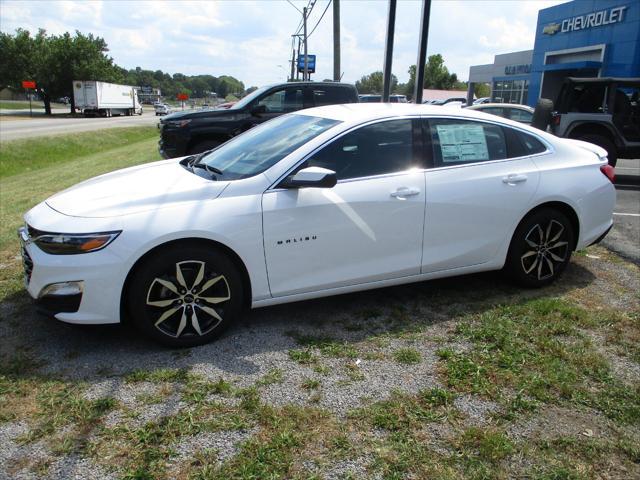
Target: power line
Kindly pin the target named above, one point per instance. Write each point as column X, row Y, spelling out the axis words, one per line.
column 291, row 3
column 321, row 17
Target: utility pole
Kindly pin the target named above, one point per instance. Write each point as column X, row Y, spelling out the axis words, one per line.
column 336, row 40
column 297, row 58
column 305, row 75
column 293, row 57
column 422, row 52
column 388, row 51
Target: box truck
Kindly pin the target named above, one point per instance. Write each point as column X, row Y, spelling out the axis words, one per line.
column 105, row 99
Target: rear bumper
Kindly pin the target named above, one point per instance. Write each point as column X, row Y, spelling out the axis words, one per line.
column 601, row 237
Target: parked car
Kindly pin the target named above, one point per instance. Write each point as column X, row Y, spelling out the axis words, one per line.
column 371, row 98
column 319, row 202
column 603, row 111
column 193, row 132
column 162, row 109
column 518, row 113
column 481, row 100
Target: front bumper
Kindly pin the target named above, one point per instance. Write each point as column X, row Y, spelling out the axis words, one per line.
column 100, row 273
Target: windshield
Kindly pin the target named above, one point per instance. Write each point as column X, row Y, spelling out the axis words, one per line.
column 249, row 98
column 263, row 146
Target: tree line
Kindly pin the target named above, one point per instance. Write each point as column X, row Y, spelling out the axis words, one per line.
column 54, row 61
column 436, row 76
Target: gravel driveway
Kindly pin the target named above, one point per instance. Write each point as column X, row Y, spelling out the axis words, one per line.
column 323, row 363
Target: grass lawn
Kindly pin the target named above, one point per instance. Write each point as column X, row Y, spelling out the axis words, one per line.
column 32, row 170
column 8, row 105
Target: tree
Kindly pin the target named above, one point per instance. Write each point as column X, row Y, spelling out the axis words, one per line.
column 54, row 62
column 482, row 90
column 373, row 83
column 436, row 76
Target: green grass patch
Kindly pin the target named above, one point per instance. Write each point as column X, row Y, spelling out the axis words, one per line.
column 407, row 356
column 538, row 350
column 403, row 412
column 6, row 105
column 33, row 154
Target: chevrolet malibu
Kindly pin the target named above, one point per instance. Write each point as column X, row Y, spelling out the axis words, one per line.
column 319, row 202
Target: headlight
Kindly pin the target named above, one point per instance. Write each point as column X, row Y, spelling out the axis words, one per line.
column 177, row 123
column 73, row 243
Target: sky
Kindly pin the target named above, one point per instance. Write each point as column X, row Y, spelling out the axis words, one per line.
column 251, row 40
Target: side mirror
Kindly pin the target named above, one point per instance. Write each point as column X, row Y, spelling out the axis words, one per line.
column 258, row 110
column 311, row 177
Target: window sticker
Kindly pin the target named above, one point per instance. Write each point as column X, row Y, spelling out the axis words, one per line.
column 462, row 143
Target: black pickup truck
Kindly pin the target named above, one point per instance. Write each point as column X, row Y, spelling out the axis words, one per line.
column 195, row 131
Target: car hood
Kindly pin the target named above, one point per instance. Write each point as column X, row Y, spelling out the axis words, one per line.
column 134, row 190
column 190, row 114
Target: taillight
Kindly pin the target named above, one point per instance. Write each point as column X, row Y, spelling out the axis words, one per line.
column 609, row 172
column 555, row 119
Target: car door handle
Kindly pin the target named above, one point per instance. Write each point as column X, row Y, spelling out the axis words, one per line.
column 513, row 178
column 403, row 192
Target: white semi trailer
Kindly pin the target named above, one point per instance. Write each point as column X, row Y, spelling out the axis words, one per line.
column 105, row 99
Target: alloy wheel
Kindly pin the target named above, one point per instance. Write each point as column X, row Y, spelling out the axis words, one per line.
column 188, row 302
column 546, row 249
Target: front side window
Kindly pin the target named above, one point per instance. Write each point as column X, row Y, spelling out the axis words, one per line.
column 384, row 147
column 283, row 101
column 458, row 142
column 263, row 146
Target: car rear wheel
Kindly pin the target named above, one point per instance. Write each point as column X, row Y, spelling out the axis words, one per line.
column 541, row 248
column 203, row 146
column 186, row 295
column 604, row 142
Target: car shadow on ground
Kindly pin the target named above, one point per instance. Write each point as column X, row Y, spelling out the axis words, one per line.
column 93, row 352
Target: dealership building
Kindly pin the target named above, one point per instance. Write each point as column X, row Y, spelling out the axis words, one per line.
column 582, row 38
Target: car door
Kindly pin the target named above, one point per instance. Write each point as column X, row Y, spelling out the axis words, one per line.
column 482, row 183
column 368, row 227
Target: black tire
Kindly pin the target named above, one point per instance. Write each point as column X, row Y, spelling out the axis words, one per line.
column 203, row 146
column 533, row 260
column 604, row 142
column 184, row 310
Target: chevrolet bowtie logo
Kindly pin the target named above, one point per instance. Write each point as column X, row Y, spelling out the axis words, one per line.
column 551, row 29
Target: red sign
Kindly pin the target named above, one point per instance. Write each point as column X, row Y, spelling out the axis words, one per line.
column 183, row 96
column 28, row 84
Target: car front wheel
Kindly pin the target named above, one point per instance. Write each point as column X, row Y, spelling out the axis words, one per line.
column 186, row 295
column 540, row 248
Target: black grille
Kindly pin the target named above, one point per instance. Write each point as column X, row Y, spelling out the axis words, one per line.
column 27, row 263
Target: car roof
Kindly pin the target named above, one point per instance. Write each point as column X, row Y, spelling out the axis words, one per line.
column 362, row 112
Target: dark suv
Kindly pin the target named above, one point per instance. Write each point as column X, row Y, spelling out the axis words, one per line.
column 190, row 132
column 604, row 111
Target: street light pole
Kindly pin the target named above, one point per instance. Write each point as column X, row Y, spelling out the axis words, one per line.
column 388, row 51
column 336, row 40
column 422, row 52
column 305, row 75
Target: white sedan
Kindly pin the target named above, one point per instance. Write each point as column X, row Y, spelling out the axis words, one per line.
column 319, row 202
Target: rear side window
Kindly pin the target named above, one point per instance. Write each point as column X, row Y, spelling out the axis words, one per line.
column 457, row 142
column 331, row 96
column 520, row 144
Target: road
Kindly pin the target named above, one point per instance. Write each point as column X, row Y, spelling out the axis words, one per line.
column 25, row 127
